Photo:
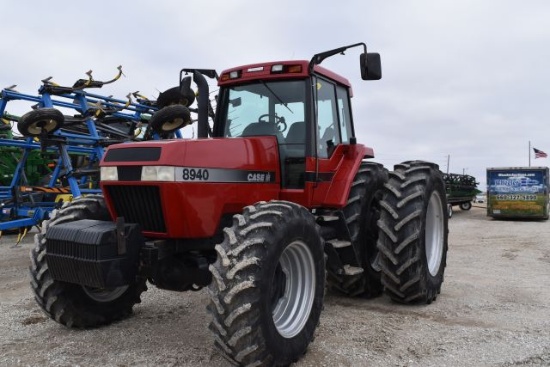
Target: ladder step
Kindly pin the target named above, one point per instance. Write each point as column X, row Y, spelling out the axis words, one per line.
column 352, row 270
column 327, row 218
column 339, row 243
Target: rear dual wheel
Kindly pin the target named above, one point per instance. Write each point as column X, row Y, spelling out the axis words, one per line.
column 413, row 233
column 362, row 212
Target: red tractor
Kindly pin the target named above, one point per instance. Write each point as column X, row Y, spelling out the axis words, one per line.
column 267, row 208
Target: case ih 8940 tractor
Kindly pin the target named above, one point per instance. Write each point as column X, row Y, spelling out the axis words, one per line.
column 268, row 208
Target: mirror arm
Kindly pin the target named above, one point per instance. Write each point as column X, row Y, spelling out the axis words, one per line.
column 318, row 58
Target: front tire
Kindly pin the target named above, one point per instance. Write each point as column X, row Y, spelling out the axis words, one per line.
column 268, row 285
column 413, row 233
column 466, row 205
column 71, row 304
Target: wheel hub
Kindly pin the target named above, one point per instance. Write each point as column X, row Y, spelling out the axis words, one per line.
column 293, row 289
column 435, row 232
column 104, row 294
column 38, row 126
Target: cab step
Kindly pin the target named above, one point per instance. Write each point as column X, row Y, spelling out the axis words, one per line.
column 352, row 270
column 339, row 243
column 326, row 218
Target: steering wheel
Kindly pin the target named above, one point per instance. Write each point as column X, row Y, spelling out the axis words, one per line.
column 279, row 121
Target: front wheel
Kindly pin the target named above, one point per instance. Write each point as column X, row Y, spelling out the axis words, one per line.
column 71, row 304
column 413, row 233
column 466, row 205
column 268, row 285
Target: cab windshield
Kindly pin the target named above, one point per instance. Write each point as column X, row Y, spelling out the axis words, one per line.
column 264, row 108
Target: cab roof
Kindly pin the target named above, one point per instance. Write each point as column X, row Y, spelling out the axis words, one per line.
column 298, row 69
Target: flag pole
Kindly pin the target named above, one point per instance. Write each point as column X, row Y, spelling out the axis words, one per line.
column 529, row 153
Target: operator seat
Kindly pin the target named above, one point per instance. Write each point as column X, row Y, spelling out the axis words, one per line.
column 296, row 139
column 264, row 128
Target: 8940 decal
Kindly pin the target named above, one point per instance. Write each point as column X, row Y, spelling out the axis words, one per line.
column 195, row 174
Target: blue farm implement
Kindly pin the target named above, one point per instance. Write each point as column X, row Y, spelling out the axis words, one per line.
column 56, row 158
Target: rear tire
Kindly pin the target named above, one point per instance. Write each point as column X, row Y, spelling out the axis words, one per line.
column 70, row 304
column 466, row 205
column 362, row 212
column 268, row 285
column 413, row 233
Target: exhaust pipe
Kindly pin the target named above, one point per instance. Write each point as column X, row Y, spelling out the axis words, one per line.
column 202, row 102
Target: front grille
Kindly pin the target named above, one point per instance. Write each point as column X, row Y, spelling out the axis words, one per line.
column 139, row 204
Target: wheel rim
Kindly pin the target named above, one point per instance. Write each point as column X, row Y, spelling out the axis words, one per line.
column 105, row 294
column 37, row 127
column 291, row 310
column 172, row 125
column 434, row 233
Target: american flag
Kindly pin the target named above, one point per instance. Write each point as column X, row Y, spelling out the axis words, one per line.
column 539, row 153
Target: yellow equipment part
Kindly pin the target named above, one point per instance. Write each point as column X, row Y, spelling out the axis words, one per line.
column 63, row 198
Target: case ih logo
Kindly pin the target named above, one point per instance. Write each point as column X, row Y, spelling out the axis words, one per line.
column 259, row 177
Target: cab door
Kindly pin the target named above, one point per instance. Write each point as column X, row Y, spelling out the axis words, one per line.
column 335, row 157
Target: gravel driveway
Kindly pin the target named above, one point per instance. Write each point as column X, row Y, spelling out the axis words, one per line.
column 494, row 310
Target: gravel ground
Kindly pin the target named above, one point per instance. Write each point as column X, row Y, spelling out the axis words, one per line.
column 494, row 310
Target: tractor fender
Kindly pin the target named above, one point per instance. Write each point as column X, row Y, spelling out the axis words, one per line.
column 344, row 167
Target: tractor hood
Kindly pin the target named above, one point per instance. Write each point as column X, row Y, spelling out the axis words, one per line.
column 182, row 188
column 220, row 160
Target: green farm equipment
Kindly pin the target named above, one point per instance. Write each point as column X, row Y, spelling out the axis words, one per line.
column 461, row 190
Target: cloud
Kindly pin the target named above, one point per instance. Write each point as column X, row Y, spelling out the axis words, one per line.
column 463, row 82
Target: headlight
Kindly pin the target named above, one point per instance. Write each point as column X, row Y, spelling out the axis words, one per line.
column 158, row 173
column 109, row 173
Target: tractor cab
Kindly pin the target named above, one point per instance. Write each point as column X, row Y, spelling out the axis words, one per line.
column 306, row 108
column 284, row 107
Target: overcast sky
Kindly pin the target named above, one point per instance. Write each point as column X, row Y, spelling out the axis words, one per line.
column 465, row 82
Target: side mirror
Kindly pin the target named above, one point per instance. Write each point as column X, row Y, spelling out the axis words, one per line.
column 371, row 66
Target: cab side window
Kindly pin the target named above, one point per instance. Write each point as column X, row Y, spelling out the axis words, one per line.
column 344, row 113
column 328, row 131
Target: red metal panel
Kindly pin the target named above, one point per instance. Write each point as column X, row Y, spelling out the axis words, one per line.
column 192, row 209
column 343, row 164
